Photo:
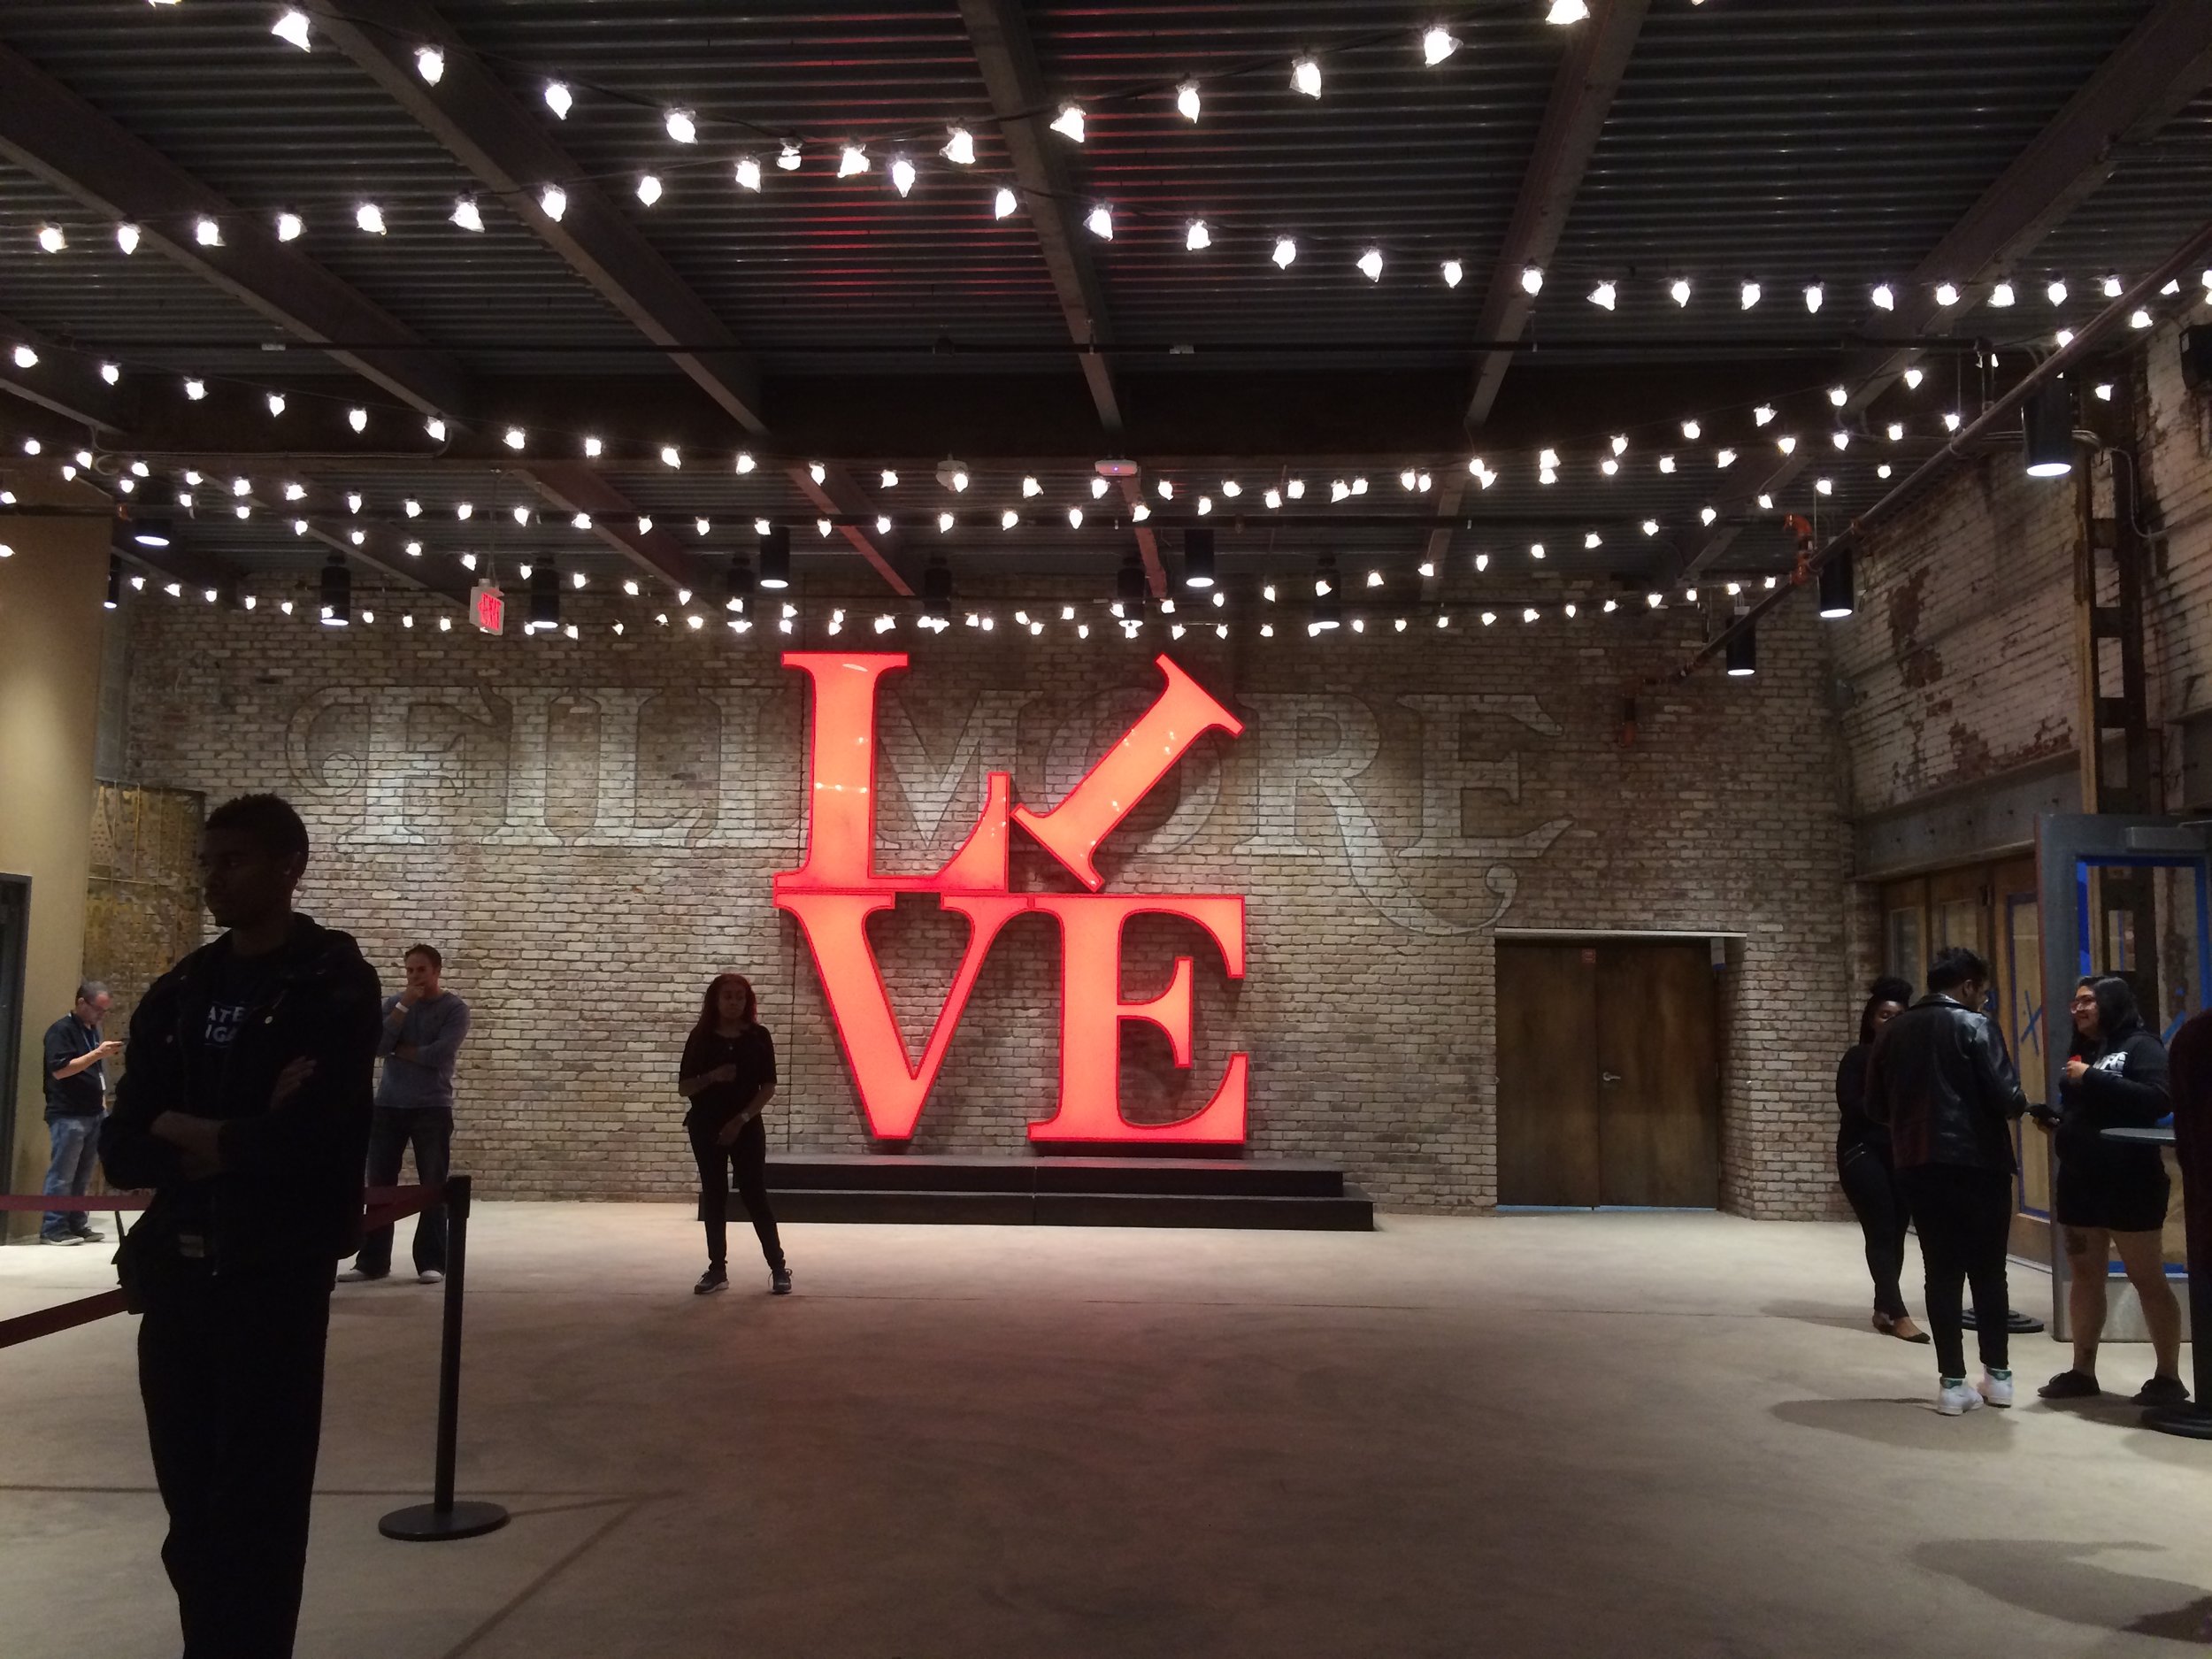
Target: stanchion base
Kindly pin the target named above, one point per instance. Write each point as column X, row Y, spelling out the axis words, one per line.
column 428, row 1524
column 2192, row 1422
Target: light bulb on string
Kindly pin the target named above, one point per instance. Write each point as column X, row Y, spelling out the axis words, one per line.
column 1762, row 415
column 1946, row 294
column 2001, row 295
column 901, row 175
column 553, row 202
column 1455, row 273
column 1003, row 203
column 1285, row 251
column 1666, row 464
column 368, row 216
column 1750, row 294
column 788, row 157
column 207, row 232
column 1370, row 264
column 558, row 99
column 1187, row 104
column 748, row 174
column 26, row 357
column 1692, row 431
column 1815, row 295
column 111, row 374
column 1604, row 295
column 2056, row 292
column 745, row 463
column 1885, row 297
column 681, row 127
column 959, row 148
column 1896, row 431
column 1305, row 76
column 2114, row 287
column 1438, row 44
column 1678, row 290
column 1532, row 280
column 51, row 239
column 1100, row 223
column 466, row 214
column 291, row 26
column 127, row 237
column 1565, row 12
column 1785, row 443
column 1725, row 459
column 649, row 189
column 1651, row 526
column 1197, row 238
column 430, row 63
column 195, row 389
column 2140, row 320
column 1913, row 377
column 1069, row 123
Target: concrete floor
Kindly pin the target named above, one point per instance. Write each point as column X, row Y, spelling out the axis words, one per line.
column 1550, row 1435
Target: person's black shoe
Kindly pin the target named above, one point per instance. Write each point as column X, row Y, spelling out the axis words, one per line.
column 92, row 1235
column 779, row 1281
column 2015, row 1322
column 2071, row 1384
column 2162, row 1391
column 713, row 1280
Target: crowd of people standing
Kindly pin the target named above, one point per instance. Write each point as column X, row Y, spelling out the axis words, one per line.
column 1927, row 1101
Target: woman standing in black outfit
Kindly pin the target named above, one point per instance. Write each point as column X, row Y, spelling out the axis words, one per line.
column 2109, row 1194
column 728, row 1074
column 1862, row 1166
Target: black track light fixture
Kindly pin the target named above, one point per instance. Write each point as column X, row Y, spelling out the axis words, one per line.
column 337, row 596
column 2048, row 429
column 1838, row 583
column 545, row 598
column 775, row 557
column 1198, row 556
column 937, row 590
column 1129, row 584
column 1743, row 652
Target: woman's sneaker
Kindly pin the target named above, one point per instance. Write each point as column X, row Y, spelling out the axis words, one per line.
column 2071, row 1384
column 1956, row 1397
column 1996, row 1387
column 779, row 1281
column 713, row 1280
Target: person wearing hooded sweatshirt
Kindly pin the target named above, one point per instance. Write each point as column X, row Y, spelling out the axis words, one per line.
column 2111, row 1196
column 244, row 1106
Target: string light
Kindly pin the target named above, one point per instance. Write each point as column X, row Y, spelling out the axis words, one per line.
column 368, row 216
column 127, row 237
column 110, row 374
column 1913, row 377
column 558, row 99
column 1680, row 291
column 51, row 239
column 276, row 402
column 1285, row 251
column 2056, row 292
column 901, row 175
column 1370, row 264
column 553, row 202
column 2114, row 287
column 1305, row 76
column 1069, row 123
column 466, row 215
column 291, row 25
column 1692, row 431
column 680, row 127
column 1885, row 297
column 430, row 63
column 1003, row 203
column 1455, row 273
column 1187, row 101
column 959, row 148
column 1532, row 280
column 25, row 359
column 1100, row 223
column 1437, row 44
column 207, row 232
column 748, row 174
column 1750, row 294
column 195, row 389
column 1946, row 294
column 1604, row 295
column 649, row 189
column 1196, row 239
column 1814, row 296
column 1565, row 12
column 2001, row 295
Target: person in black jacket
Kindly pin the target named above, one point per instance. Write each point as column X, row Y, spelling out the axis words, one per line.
column 244, row 1106
column 1939, row 1079
column 728, row 1074
column 1863, row 1166
column 2110, row 1195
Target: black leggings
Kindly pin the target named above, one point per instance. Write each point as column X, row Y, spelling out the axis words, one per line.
column 748, row 1155
column 1965, row 1219
column 1871, row 1185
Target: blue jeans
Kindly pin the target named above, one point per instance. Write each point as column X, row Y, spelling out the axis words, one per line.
column 69, row 1171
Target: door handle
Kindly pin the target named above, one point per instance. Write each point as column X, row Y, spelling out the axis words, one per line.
column 1608, row 1077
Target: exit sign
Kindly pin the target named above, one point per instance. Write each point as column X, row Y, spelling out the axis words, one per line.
column 487, row 609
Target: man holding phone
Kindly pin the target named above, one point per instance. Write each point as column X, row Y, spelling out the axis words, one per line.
column 76, row 1100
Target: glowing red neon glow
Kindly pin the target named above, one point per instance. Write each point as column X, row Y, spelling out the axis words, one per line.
column 836, row 888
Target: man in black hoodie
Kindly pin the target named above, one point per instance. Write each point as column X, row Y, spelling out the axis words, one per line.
column 244, row 1105
column 1940, row 1079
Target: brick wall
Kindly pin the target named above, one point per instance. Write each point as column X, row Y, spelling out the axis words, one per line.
column 588, row 828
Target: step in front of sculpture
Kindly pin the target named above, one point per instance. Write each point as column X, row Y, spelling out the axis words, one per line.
column 1086, row 1192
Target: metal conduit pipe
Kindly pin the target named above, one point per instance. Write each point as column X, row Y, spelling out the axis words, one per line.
column 2084, row 343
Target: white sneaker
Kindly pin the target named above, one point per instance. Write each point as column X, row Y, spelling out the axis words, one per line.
column 1956, row 1399
column 429, row 1276
column 1996, row 1389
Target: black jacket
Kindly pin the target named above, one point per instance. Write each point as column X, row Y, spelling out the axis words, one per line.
column 1855, row 1131
column 1939, row 1078
column 2125, row 1087
column 289, row 1193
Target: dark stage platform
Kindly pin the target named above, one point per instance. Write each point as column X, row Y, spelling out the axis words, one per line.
column 1067, row 1191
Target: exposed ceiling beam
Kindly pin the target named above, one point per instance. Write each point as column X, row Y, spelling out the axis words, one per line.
column 999, row 34
column 1582, row 92
column 572, row 487
column 47, row 130
column 2149, row 78
column 505, row 144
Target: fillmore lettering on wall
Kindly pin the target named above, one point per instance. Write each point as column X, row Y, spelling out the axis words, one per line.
column 550, row 766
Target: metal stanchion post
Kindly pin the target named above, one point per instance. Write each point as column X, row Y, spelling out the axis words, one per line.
column 443, row 1517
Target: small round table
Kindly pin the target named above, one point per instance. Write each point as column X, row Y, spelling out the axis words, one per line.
column 2194, row 1419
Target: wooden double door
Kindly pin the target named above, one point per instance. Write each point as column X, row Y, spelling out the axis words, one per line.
column 1608, row 1074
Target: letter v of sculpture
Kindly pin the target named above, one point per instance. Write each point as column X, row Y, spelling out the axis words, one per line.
column 837, row 889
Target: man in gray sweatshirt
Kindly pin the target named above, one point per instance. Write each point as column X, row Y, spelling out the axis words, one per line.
column 420, row 1039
